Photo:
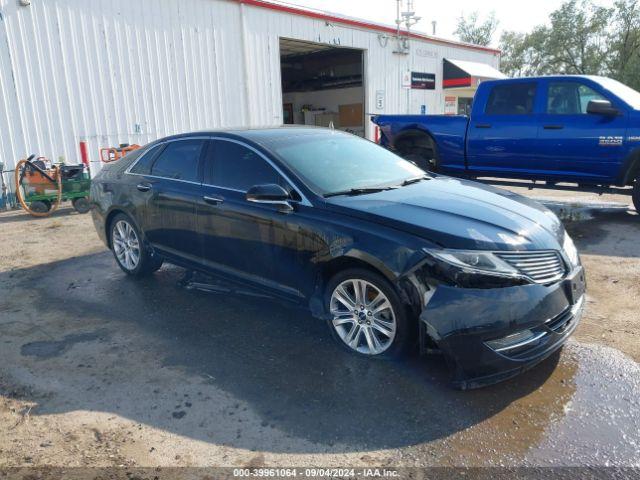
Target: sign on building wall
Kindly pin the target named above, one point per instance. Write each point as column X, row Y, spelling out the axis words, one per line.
column 405, row 80
column 423, row 81
column 450, row 106
column 379, row 99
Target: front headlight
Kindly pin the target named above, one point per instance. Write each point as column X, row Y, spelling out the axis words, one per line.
column 570, row 250
column 474, row 269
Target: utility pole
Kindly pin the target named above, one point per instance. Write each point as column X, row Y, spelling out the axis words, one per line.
column 406, row 18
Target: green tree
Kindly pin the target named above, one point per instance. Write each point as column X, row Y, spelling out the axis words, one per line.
column 575, row 42
column 470, row 29
column 516, row 51
column 624, row 43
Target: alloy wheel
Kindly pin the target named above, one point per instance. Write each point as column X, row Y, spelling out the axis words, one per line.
column 126, row 245
column 363, row 316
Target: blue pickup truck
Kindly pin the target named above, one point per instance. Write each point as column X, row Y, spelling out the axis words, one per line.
column 559, row 129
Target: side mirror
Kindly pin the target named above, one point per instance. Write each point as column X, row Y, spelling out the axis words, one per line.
column 602, row 107
column 270, row 194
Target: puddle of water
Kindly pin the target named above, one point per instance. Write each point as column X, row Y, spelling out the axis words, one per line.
column 55, row 348
column 587, row 412
column 601, row 422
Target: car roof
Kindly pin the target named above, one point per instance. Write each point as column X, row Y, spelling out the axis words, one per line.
column 261, row 134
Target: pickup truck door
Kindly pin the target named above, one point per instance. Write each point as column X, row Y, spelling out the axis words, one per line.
column 503, row 130
column 581, row 146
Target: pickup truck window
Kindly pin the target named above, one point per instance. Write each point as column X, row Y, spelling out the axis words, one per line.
column 511, row 99
column 570, row 98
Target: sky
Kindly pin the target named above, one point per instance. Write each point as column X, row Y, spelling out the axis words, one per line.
column 515, row 15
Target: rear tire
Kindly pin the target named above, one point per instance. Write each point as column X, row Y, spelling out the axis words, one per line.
column 636, row 194
column 423, row 159
column 419, row 148
column 132, row 255
column 363, row 323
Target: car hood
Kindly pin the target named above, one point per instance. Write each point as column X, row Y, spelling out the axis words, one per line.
column 461, row 214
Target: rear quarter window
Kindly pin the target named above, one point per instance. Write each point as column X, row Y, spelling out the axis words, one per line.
column 143, row 165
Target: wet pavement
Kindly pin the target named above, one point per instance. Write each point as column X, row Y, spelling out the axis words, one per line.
column 191, row 378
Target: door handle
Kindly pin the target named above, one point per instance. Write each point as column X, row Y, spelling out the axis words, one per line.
column 143, row 187
column 213, row 199
column 553, row 127
column 483, row 125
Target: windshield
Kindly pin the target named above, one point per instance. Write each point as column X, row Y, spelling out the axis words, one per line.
column 335, row 162
column 620, row 90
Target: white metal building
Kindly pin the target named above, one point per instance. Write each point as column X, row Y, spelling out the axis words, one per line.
column 129, row 71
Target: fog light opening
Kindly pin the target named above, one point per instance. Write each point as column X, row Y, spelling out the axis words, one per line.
column 515, row 340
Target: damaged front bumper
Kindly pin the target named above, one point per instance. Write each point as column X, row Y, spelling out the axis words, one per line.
column 489, row 335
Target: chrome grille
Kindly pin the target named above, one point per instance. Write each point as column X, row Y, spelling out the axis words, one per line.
column 541, row 266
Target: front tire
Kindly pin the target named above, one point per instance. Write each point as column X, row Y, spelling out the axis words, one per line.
column 367, row 316
column 129, row 250
column 636, row 194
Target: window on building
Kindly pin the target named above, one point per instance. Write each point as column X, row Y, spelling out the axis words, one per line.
column 511, row 99
column 570, row 98
column 179, row 160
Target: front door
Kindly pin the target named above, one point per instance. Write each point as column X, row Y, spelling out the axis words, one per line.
column 581, row 146
column 245, row 240
column 502, row 134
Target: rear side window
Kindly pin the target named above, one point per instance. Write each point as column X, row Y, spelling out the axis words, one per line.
column 143, row 166
column 511, row 99
column 240, row 168
column 179, row 160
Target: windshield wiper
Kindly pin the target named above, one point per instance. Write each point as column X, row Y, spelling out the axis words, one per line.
column 409, row 181
column 358, row 191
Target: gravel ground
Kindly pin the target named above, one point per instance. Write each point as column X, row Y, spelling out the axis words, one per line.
column 98, row 370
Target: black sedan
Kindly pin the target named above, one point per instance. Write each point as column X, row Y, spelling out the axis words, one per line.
column 389, row 256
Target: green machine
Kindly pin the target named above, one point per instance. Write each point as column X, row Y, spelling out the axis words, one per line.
column 40, row 190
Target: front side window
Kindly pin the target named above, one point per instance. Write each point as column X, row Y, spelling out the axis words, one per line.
column 237, row 167
column 570, row 98
column 179, row 160
column 511, row 99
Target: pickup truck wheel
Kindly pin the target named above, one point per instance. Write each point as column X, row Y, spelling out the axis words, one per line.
column 420, row 148
column 636, row 194
column 423, row 160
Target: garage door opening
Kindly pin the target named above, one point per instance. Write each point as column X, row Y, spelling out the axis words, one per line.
column 322, row 85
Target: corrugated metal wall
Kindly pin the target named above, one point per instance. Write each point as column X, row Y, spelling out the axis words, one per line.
column 118, row 71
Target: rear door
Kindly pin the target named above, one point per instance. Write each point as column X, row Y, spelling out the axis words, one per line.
column 140, row 196
column 174, row 187
column 502, row 133
column 579, row 145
